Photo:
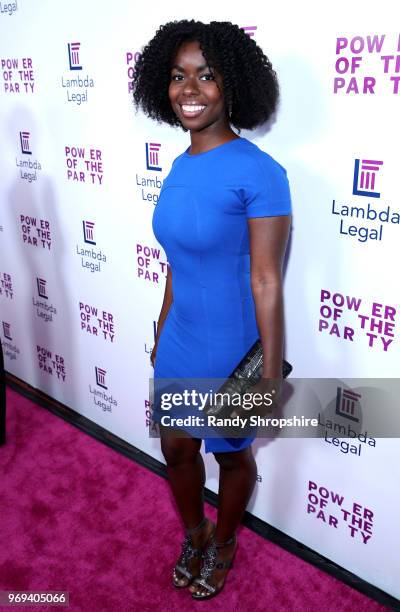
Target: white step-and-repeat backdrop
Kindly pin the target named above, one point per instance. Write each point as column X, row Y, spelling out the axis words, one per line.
column 82, row 276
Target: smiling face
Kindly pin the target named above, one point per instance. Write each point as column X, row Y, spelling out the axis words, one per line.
column 195, row 90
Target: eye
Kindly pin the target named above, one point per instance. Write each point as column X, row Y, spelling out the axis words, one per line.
column 209, row 77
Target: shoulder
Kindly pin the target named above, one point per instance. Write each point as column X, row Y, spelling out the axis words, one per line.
column 259, row 162
column 266, row 186
column 177, row 159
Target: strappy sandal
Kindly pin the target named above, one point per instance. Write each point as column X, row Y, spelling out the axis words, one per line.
column 189, row 552
column 210, row 563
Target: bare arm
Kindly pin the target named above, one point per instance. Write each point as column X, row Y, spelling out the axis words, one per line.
column 268, row 240
column 167, row 301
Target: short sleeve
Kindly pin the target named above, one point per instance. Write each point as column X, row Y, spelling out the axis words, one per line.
column 268, row 193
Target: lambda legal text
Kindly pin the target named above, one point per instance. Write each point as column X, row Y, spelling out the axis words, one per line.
column 364, row 232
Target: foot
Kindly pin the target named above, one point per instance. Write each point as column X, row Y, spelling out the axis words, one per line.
column 217, row 562
column 189, row 563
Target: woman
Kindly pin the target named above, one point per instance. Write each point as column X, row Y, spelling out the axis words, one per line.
column 223, row 218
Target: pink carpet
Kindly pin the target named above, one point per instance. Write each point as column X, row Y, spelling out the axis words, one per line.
column 80, row 517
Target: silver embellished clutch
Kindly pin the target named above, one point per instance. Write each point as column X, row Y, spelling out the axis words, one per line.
column 246, row 374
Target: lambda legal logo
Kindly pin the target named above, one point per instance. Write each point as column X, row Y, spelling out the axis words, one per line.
column 24, row 139
column 41, row 287
column 76, row 85
column 91, row 259
column 29, row 167
column 73, row 56
column 101, row 399
column 6, row 330
column 249, row 30
column 364, row 177
column 101, row 377
column 88, row 233
column 347, row 404
column 43, row 309
column 11, row 351
column 152, row 149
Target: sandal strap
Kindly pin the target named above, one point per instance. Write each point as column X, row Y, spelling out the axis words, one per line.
column 202, row 582
column 183, row 570
column 188, row 550
column 211, row 561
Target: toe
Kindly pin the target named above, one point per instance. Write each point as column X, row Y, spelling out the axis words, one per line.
column 179, row 580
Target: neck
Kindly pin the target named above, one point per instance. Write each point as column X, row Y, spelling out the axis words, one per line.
column 203, row 141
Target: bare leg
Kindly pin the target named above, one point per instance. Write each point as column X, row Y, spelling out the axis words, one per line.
column 186, row 474
column 238, row 473
column 237, row 477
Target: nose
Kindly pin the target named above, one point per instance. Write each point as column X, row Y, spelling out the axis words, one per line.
column 190, row 85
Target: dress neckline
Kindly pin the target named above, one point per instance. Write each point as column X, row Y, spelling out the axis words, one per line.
column 224, row 144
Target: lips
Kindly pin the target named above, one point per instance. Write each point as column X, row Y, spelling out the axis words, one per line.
column 192, row 110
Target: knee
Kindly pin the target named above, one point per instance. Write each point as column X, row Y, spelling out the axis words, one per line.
column 236, row 460
column 226, row 461
column 177, row 451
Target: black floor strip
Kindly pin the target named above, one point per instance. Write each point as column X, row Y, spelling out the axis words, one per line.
column 252, row 522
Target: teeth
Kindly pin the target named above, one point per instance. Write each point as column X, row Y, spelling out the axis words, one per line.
column 191, row 108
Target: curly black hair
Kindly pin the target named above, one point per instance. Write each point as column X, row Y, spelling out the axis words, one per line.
column 250, row 85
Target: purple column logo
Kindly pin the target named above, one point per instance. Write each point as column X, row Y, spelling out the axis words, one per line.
column 73, row 56
column 364, row 177
column 6, row 330
column 24, row 139
column 347, row 403
column 88, row 232
column 152, row 149
column 41, row 287
column 249, row 30
column 101, row 377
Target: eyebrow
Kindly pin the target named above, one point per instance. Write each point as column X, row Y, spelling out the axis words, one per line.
column 199, row 68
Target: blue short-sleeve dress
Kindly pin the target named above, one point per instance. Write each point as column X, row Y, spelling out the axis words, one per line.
column 201, row 222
